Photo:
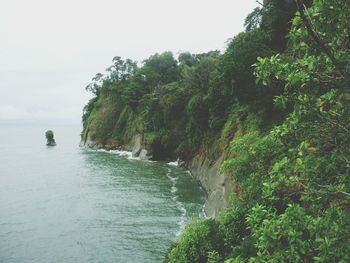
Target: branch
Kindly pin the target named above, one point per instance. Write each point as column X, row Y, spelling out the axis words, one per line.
column 344, row 128
column 316, row 37
column 307, row 191
column 327, row 187
column 259, row 3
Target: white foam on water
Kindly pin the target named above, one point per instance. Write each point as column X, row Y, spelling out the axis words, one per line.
column 179, row 205
column 182, row 221
column 175, row 163
column 202, row 213
column 173, row 179
column 173, row 189
column 126, row 154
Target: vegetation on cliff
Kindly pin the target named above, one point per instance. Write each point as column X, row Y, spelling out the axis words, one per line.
column 284, row 124
column 192, row 103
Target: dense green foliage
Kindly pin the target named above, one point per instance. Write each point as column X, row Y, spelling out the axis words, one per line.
column 284, row 125
column 293, row 197
column 185, row 103
column 49, row 136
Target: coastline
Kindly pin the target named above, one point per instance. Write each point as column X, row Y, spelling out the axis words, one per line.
column 129, row 155
column 216, row 186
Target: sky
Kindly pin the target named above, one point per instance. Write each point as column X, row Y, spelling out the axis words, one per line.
column 50, row 49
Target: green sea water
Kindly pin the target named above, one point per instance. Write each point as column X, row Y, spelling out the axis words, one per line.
column 69, row 204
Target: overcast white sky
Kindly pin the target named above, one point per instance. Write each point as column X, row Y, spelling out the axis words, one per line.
column 50, row 49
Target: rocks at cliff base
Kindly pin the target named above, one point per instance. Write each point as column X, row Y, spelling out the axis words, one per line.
column 90, row 143
column 135, row 146
column 217, row 186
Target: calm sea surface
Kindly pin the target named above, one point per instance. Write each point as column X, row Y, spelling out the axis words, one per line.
column 68, row 204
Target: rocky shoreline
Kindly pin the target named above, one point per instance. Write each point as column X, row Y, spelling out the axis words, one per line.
column 207, row 172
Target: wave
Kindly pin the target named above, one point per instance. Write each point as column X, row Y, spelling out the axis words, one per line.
column 174, row 163
column 173, row 189
column 182, row 221
column 126, row 154
column 173, row 179
column 179, row 205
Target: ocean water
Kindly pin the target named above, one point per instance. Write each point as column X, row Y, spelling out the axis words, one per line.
column 69, row 204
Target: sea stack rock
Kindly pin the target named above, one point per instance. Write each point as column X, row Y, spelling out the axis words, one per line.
column 50, row 138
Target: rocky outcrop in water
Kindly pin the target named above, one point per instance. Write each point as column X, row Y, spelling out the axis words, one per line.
column 51, row 143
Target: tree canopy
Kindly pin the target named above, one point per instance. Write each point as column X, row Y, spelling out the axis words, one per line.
column 276, row 104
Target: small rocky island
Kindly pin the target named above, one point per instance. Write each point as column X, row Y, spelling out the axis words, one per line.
column 50, row 141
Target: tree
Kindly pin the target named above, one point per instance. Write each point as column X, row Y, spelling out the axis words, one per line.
column 50, row 138
column 292, row 200
column 95, row 85
column 275, row 21
column 237, row 61
column 88, row 109
column 253, row 20
column 160, row 69
column 121, row 70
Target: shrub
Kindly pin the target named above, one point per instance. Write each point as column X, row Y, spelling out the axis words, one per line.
column 200, row 241
column 150, row 138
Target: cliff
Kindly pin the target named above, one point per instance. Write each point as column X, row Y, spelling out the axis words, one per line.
column 280, row 128
column 185, row 108
column 206, row 171
column 217, row 186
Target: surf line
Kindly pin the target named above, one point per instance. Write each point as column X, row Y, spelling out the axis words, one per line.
column 179, row 205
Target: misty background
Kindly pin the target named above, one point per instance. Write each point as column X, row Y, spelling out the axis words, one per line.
column 50, row 50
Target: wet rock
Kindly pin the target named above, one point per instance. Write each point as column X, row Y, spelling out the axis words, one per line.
column 51, row 143
column 217, row 186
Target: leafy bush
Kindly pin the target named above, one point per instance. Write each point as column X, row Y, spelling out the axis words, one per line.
column 150, row 138
column 202, row 240
column 253, row 156
column 293, row 183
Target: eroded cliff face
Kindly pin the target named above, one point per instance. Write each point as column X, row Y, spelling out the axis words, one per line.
column 217, row 186
column 207, row 172
column 89, row 143
column 137, row 148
